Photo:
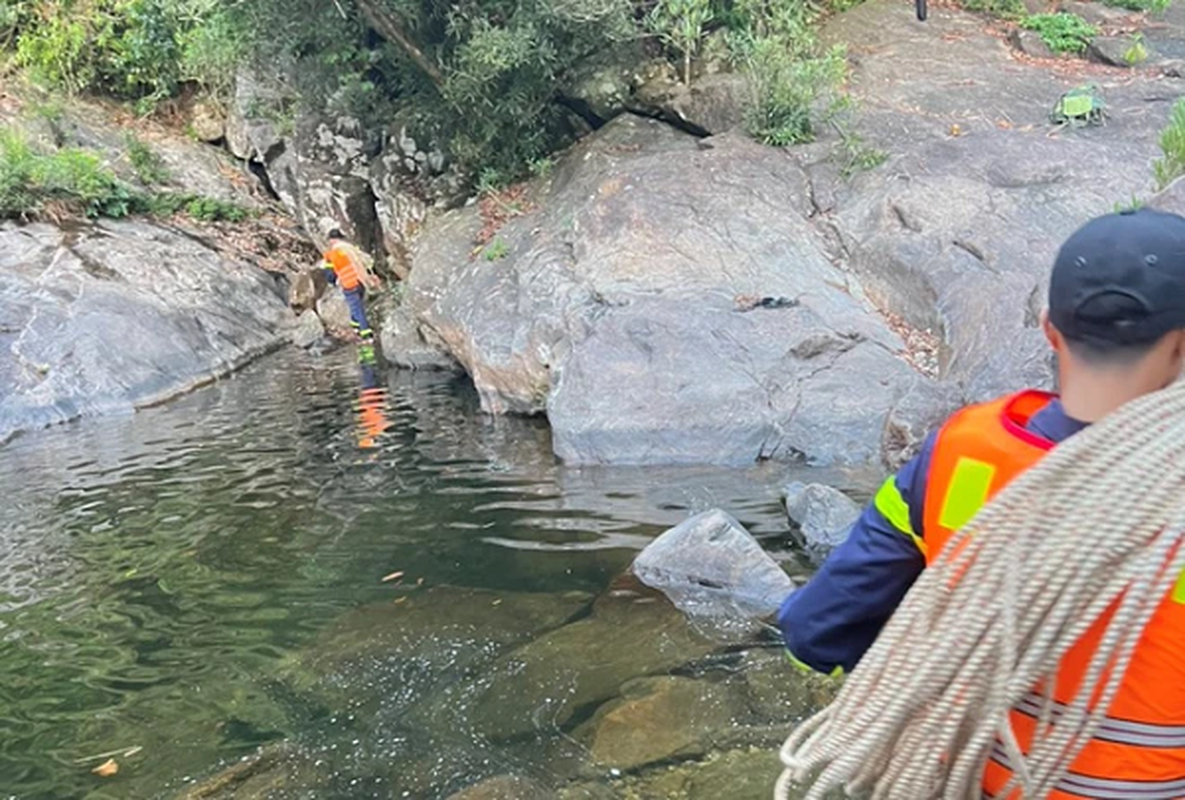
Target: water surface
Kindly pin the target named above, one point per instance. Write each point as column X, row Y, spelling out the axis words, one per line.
column 159, row 573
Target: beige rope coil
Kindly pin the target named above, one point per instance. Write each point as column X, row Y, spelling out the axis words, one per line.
column 1101, row 517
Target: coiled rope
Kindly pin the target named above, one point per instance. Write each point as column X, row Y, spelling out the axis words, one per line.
column 1100, row 520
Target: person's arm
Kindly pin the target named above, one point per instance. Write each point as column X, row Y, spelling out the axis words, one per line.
column 831, row 622
column 330, row 272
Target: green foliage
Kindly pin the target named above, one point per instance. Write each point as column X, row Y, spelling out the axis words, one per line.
column 1133, row 204
column 777, row 48
column 1156, row 6
column 1137, row 53
column 148, row 165
column 681, row 24
column 140, row 50
column 30, row 181
column 1062, row 32
column 1171, row 165
column 1004, row 9
column 497, row 249
column 202, row 209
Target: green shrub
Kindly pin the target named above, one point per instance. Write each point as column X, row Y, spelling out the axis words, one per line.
column 775, row 45
column 1004, row 9
column 681, row 24
column 149, row 167
column 76, row 180
column 1171, row 165
column 1062, row 32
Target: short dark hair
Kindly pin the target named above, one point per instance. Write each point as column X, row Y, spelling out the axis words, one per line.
column 336, row 233
column 1103, row 353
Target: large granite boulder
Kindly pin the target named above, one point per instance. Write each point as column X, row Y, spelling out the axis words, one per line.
column 670, row 301
column 119, row 315
column 957, row 231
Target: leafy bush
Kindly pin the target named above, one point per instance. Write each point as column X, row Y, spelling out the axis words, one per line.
column 681, row 24
column 149, row 166
column 1062, row 32
column 1004, row 9
column 1171, row 165
column 130, row 49
column 775, row 45
column 72, row 179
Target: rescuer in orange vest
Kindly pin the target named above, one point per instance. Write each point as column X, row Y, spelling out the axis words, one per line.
column 350, row 268
column 1116, row 320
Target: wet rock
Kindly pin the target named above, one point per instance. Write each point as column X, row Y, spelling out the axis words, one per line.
column 779, row 693
column 119, row 315
column 744, row 774
column 273, row 770
column 1119, row 51
column 505, row 787
column 379, row 660
column 404, row 346
column 307, row 331
column 1030, row 43
column 623, row 323
column 541, row 685
column 824, row 516
column 657, row 719
column 711, row 565
column 335, row 312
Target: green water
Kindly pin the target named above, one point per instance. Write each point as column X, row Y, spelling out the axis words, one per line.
column 160, row 573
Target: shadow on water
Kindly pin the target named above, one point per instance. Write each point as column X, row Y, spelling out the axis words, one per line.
column 205, row 578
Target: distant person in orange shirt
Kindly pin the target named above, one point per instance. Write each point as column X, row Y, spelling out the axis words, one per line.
column 352, row 269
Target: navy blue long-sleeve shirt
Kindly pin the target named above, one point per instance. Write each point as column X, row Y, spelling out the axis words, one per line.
column 833, row 620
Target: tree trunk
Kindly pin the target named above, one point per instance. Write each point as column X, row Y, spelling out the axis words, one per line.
column 389, row 28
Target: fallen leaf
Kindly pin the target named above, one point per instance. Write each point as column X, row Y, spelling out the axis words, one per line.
column 106, row 769
column 394, row 576
column 419, row 581
column 401, row 600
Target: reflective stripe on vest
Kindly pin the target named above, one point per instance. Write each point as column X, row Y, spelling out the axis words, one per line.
column 343, row 265
column 1139, row 749
column 1120, row 731
column 1105, row 788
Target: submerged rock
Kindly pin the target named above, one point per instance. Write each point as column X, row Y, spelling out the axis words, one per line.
column 113, row 316
column 657, row 719
column 742, row 774
column 710, row 565
column 504, row 787
column 540, row 686
column 824, row 516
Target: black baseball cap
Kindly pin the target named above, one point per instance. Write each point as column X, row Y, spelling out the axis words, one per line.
column 1120, row 279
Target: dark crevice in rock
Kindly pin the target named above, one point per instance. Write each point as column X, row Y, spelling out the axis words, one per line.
column 582, row 109
column 906, row 219
column 260, row 172
column 362, row 209
column 686, row 126
column 973, row 250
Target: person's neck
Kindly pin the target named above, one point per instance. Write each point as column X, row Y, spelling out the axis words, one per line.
column 1089, row 399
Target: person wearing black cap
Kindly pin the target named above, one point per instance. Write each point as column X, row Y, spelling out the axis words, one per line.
column 351, row 269
column 1115, row 319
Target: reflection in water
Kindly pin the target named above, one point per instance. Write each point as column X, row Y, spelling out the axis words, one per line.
column 160, row 574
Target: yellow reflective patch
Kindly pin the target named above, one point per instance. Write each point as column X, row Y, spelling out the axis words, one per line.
column 969, row 488
column 804, row 667
column 893, row 507
column 1179, row 592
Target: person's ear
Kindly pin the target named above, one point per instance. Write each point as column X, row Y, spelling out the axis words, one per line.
column 1051, row 333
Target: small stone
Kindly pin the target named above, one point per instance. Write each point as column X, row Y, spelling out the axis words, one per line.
column 1030, row 43
column 308, row 330
column 436, row 161
column 824, row 516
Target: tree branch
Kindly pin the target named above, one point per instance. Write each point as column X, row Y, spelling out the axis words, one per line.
column 389, row 28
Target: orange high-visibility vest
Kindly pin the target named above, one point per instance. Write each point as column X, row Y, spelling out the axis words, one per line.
column 343, row 264
column 1139, row 751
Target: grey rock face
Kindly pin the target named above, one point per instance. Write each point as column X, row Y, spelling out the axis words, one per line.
column 111, row 317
